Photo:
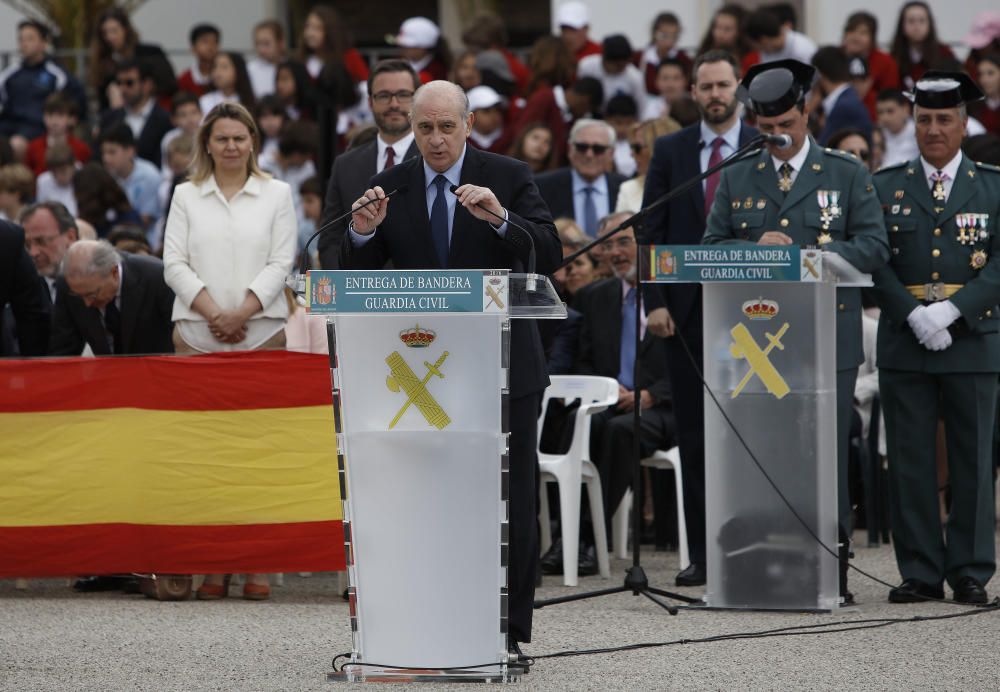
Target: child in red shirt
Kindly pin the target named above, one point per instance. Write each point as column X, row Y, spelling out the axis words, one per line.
column 59, row 115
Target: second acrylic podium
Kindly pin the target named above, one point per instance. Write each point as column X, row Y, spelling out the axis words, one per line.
column 420, row 384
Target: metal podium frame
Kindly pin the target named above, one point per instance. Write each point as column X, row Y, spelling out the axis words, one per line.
column 769, row 359
column 425, row 507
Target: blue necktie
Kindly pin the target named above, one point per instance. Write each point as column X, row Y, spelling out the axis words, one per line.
column 439, row 222
column 627, row 350
column 589, row 213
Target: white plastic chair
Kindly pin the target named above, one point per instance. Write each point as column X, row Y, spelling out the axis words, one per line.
column 669, row 459
column 574, row 467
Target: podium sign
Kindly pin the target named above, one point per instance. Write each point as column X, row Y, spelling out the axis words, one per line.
column 769, row 360
column 420, row 388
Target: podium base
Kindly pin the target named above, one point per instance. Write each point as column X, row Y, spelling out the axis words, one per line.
column 356, row 673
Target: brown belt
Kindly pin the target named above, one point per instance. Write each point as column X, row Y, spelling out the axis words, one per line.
column 933, row 293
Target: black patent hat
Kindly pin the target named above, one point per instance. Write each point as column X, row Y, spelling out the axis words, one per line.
column 773, row 88
column 938, row 89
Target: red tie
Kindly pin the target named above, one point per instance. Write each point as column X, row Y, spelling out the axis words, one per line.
column 712, row 182
column 390, row 158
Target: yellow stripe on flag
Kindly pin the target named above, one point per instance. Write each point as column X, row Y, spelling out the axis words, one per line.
column 254, row 466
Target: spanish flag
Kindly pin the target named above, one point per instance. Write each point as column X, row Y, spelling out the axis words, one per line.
column 184, row 465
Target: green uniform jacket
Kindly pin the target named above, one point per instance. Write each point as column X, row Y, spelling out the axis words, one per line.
column 926, row 248
column 748, row 203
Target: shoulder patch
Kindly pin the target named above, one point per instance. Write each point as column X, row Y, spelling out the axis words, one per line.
column 987, row 167
column 893, row 167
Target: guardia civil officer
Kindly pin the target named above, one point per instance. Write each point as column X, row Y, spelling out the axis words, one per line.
column 805, row 195
column 938, row 346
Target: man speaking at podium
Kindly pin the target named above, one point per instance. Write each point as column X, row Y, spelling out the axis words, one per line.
column 441, row 219
column 805, row 195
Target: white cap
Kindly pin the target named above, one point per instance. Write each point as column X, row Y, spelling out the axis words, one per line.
column 416, row 32
column 573, row 14
column 483, row 97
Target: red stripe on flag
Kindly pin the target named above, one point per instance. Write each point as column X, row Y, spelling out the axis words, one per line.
column 207, row 382
column 55, row 551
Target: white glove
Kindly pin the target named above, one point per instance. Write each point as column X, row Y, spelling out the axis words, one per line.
column 942, row 314
column 938, row 341
column 921, row 324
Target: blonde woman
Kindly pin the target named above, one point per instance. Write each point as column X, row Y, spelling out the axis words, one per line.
column 641, row 140
column 229, row 243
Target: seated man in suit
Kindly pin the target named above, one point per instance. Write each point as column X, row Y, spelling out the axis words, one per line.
column 117, row 303
column 842, row 106
column 586, row 191
column 144, row 116
column 391, row 85
column 49, row 230
column 607, row 348
column 446, row 216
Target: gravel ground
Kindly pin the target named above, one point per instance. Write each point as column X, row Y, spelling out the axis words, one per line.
column 52, row 638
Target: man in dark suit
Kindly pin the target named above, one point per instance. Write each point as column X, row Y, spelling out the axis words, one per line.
column 49, row 230
column 607, row 348
column 116, row 303
column 147, row 120
column 586, row 191
column 842, row 106
column 391, row 85
column 21, row 287
column 677, row 309
column 431, row 227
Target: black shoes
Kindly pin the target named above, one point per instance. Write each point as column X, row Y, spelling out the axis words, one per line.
column 692, row 575
column 552, row 561
column 916, row 591
column 517, row 658
column 95, row 584
column 969, row 590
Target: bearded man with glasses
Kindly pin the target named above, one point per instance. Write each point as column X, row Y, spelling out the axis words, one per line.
column 391, row 85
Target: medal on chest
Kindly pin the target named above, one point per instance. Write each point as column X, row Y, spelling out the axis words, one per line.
column 972, row 228
column 829, row 210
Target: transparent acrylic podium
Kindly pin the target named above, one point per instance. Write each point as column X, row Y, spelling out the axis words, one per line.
column 420, row 384
column 770, row 362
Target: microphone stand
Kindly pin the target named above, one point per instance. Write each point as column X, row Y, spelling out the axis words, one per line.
column 636, row 580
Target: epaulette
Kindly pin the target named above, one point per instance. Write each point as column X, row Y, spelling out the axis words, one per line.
column 885, row 169
column 841, row 154
column 987, row 166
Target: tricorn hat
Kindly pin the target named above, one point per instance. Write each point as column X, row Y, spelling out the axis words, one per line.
column 772, row 88
column 938, row 89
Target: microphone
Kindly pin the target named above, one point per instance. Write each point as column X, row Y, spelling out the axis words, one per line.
column 531, row 241
column 780, row 141
column 303, row 259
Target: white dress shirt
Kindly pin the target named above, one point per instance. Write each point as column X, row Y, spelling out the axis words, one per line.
column 796, row 162
column 730, row 143
column 798, row 46
column 213, row 98
column 951, row 170
column 136, row 120
column 902, row 146
column 629, row 82
column 228, row 248
column 399, row 149
column 602, row 198
column 262, row 74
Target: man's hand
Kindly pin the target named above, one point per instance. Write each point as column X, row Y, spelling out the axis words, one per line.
column 938, row 341
column 942, row 314
column 660, row 323
column 364, row 219
column 774, row 238
column 626, row 400
column 471, row 196
column 921, row 324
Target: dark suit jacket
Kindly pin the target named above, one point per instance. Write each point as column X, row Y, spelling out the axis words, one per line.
column 146, row 306
column 676, row 159
column 849, row 111
column 348, row 181
column 599, row 351
column 147, row 146
column 21, row 286
column 405, row 238
column 556, row 188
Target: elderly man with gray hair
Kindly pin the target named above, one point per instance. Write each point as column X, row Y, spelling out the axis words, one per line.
column 116, row 302
column 586, row 191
